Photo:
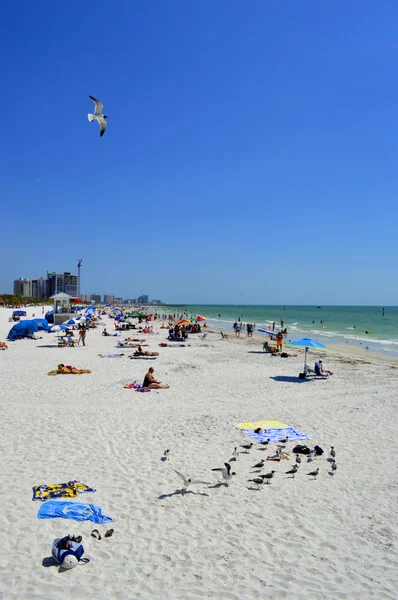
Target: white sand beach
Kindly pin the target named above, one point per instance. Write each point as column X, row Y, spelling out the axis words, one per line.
column 330, row 538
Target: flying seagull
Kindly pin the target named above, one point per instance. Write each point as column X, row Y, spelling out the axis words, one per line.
column 98, row 115
column 188, row 481
column 226, row 472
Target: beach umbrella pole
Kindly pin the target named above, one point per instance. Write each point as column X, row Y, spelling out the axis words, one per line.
column 305, row 359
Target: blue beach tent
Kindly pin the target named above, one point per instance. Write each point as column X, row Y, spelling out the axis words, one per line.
column 49, row 316
column 42, row 324
column 19, row 313
column 22, row 329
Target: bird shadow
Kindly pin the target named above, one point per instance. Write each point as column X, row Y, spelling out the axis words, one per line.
column 163, row 459
column 330, row 460
column 253, row 489
column 288, row 379
column 181, row 493
column 218, row 485
column 331, row 473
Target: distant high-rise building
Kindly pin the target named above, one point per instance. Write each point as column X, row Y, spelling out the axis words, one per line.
column 109, row 298
column 156, row 302
column 142, row 299
column 61, row 282
column 23, row 287
column 96, row 298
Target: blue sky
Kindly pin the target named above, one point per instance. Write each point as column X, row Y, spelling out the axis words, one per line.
column 251, row 149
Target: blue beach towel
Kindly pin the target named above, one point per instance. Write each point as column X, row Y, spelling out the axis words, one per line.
column 72, row 510
column 275, row 435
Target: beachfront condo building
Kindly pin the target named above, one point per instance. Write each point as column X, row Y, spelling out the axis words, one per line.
column 109, row 298
column 61, row 282
column 35, row 288
column 142, row 299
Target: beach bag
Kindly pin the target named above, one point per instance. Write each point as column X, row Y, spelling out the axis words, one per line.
column 300, row 449
column 318, row 451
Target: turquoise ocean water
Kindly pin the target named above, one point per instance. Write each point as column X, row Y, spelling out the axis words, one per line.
column 339, row 323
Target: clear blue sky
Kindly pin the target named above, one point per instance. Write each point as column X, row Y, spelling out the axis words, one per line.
column 251, row 148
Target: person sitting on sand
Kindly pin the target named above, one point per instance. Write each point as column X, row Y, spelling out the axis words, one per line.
column 151, row 383
column 141, row 352
column 3, row 345
column 320, row 371
column 68, row 370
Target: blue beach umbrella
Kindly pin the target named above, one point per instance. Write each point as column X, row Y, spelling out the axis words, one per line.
column 269, row 331
column 307, row 343
column 59, row 328
column 71, row 322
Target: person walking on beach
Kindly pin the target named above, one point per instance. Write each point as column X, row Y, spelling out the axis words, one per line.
column 279, row 341
column 82, row 337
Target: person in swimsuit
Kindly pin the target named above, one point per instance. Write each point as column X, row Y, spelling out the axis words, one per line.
column 68, row 370
column 151, row 383
column 141, row 352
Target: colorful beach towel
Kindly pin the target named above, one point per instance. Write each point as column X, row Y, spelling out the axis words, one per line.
column 72, row 510
column 264, row 424
column 277, row 434
column 60, row 490
column 111, row 355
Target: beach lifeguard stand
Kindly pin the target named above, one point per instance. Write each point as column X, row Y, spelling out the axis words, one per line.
column 61, row 307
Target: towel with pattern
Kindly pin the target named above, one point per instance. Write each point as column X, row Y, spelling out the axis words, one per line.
column 72, row 510
column 137, row 387
column 111, row 355
column 60, row 490
column 264, row 424
column 276, row 434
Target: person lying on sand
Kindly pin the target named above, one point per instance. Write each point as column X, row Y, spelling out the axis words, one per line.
column 3, row 345
column 151, row 383
column 68, row 370
column 141, row 352
column 135, row 340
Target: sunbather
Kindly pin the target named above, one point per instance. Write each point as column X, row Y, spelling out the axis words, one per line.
column 141, row 352
column 319, row 370
column 3, row 345
column 69, row 370
column 151, row 383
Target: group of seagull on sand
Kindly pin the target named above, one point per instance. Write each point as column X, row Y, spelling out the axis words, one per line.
column 226, row 472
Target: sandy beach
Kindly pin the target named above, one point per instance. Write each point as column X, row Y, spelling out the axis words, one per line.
column 331, row 538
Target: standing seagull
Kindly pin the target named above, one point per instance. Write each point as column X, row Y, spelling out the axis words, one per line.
column 332, row 451
column 314, row 474
column 98, row 116
column 334, row 466
column 258, row 481
column 166, row 455
column 292, row 471
column 235, row 453
column 188, row 481
column 298, row 459
column 268, row 476
column 226, row 472
column 258, row 465
column 246, row 446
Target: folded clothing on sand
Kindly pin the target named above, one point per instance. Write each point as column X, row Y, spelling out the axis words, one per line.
column 72, row 510
column 276, row 434
column 60, row 490
column 137, row 387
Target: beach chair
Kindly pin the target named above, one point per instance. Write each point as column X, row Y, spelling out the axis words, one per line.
column 223, row 336
column 203, row 337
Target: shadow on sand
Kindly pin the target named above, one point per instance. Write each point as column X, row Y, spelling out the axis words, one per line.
column 288, row 379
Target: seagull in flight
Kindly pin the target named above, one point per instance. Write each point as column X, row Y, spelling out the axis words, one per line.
column 98, row 115
column 188, row 481
column 226, row 472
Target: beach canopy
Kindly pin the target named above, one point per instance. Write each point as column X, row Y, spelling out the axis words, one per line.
column 184, row 322
column 120, row 316
column 306, row 343
column 22, row 329
column 136, row 315
column 200, row 318
column 19, row 313
column 42, row 324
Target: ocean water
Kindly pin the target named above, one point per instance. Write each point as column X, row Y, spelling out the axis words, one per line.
column 341, row 323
